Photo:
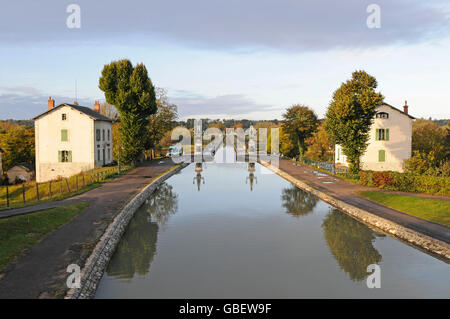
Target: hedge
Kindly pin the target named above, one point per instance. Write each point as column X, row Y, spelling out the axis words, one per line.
column 406, row 182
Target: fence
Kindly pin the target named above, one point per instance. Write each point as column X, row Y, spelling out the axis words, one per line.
column 21, row 195
column 330, row 167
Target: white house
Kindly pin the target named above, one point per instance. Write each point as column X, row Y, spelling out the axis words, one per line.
column 71, row 139
column 389, row 142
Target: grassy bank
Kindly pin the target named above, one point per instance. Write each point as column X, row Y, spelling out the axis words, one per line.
column 434, row 210
column 18, row 233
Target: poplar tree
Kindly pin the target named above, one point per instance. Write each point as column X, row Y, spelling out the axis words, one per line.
column 131, row 91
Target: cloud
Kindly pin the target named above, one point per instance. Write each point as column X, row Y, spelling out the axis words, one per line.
column 24, row 103
column 291, row 25
column 229, row 105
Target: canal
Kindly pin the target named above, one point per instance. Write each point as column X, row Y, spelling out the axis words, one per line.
column 237, row 231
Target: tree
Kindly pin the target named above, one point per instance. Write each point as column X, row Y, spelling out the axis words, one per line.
column 162, row 121
column 351, row 114
column 110, row 111
column 19, row 146
column 427, row 137
column 300, row 122
column 288, row 147
column 131, row 91
column 320, row 147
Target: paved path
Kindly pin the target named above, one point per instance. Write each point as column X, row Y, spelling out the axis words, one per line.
column 41, row 272
column 347, row 192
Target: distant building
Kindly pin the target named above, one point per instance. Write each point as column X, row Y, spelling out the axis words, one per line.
column 20, row 173
column 70, row 139
column 389, row 144
column 1, row 166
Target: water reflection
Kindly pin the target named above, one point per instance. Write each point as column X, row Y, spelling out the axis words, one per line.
column 298, row 202
column 198, row 177
column 137, row 248
column 350, row 242
column 251, row 175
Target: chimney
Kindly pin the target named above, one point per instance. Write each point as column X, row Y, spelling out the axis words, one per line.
column 51, row 103
column 97, row 106
column 405, row 107
column 75, row 103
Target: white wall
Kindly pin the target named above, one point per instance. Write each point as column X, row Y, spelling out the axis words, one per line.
column 48, row 142
column 104, row 144
column 397, row 149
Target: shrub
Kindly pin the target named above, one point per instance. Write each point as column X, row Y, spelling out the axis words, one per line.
column 366, row 178
column 382, row 179
column 406, row 182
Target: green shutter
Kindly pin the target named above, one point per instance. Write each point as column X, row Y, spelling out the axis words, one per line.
column 64, row 135
column 387, row 134
column 377, row 134
column 60, row 156
column 381, row 155
column 69, row 157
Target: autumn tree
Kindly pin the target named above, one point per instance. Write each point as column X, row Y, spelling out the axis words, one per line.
column 320, row 148
column 300, row 122
column 131, row 91
column 350, row 115
column 427, row 137
column 19, row 146
column 162, row 121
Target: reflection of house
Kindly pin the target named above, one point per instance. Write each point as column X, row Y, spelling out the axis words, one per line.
column 70, row 139
column 389, row 142
column 20, row 173
column 1, row 167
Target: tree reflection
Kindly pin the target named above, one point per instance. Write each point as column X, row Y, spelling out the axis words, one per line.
column 350, row 242
column 298, row 202
column 137, row 247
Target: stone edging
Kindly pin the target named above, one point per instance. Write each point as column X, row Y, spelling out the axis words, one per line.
column 411, row 236
column 103, row 251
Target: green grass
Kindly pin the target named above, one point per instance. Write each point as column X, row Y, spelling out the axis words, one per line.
column 19, row 233
column 434, row 210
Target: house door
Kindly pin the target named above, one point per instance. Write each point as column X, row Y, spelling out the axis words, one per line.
column 104, row 157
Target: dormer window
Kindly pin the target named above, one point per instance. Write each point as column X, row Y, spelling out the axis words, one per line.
column 382, row 115
column 64, row 116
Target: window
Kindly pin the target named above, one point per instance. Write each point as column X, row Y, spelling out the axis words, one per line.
column 103, row 134
column 109, row 135
column 65, row 156
column 64, row 116
column 381, row 155
column 109, row 153
column 64, row 136
column 382, row 134
column 98, row 134
column 382, row 115
column 98, row 155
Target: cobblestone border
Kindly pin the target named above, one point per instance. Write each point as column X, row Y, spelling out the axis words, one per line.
column 410, row 236
column 98, row 260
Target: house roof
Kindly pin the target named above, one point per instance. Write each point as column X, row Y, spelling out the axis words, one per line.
column 412, row 117
column 83, row 109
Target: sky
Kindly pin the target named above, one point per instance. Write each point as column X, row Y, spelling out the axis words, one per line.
column 226, row 59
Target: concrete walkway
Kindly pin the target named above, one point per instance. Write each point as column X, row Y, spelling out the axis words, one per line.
column 347, row 192
column 41, row 271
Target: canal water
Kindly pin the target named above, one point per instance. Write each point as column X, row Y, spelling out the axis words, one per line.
column 240, row 231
